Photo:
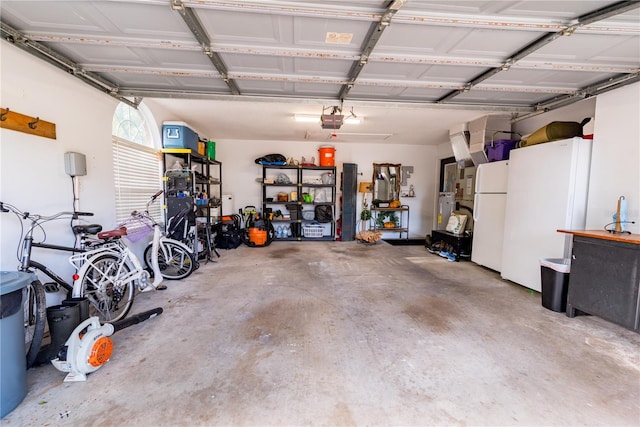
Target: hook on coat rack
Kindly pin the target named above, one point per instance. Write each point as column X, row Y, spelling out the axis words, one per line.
column 26, row 124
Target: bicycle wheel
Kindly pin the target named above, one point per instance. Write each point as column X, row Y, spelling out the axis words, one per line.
column 179, row 262
column 35, row 316
column 107, row 284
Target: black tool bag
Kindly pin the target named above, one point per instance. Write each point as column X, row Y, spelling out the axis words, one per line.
column 271, row 159
column 228, row 236
column 324, row 213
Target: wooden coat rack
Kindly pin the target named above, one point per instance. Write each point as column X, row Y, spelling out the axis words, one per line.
column 21, row 123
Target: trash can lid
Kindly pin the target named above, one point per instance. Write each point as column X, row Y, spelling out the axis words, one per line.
column 14, row 280
column 562, row 265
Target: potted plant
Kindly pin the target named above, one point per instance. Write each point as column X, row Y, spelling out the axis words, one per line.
column 365, row 235
column 387, row 220
column 365, row 217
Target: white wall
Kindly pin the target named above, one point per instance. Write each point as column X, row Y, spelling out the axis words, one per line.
column 615, row 165
column 240, row 171
column 32, row 173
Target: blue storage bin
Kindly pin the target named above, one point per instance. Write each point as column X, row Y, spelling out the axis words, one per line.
column 179, row 135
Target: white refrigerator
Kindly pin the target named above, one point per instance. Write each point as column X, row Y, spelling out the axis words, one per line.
column 489, row 203
column 547, row 190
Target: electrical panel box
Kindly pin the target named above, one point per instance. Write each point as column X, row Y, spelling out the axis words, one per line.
column 75, row 164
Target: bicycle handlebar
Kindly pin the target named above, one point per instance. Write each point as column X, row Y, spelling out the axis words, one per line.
column 6, row 207
column 145, row 214
column 153, row 199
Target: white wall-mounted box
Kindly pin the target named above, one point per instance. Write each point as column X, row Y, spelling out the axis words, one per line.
column 75, row 164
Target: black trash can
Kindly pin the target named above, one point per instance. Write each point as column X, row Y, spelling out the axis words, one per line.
column 555, row 283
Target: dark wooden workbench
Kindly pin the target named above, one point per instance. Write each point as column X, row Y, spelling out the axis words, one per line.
column 605, row 276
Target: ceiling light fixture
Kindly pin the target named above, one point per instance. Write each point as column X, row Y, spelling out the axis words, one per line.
column 306, row 118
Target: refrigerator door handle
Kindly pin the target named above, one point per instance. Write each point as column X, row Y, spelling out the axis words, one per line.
column 478, row 174
column 475, row 207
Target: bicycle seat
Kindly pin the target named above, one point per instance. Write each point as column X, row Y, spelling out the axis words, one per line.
column 87, row 229
column 118, row 232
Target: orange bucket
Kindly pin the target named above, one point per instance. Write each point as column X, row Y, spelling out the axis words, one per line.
column 327, row 155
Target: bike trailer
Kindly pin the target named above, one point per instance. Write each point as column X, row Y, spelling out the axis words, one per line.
column 178, row 225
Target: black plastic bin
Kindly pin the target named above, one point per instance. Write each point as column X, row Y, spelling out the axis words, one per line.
column 555, row 283
column 295, row 211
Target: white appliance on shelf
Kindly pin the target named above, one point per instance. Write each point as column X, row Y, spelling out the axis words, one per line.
column 228, row 207
column 547, row 190
column 489, row 204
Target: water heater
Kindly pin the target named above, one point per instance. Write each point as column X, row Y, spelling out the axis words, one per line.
column 446, row 205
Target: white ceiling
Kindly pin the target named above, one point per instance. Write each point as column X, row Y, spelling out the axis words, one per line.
column 241, row 69
column 269, row 120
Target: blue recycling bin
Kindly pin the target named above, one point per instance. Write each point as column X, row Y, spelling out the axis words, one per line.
column 13, row 365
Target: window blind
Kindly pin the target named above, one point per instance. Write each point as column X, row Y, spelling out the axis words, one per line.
column 137, row 174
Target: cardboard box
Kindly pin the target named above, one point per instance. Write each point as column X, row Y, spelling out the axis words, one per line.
column 486, row 128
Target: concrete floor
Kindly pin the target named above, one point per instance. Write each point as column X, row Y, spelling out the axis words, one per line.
column 342, row 334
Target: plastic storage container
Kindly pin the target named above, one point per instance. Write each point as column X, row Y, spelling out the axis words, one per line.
column 179, row 135
column 211, row 150
column 555, row 282
column 13, row 365
column 313, row 230
column 62, row 320
column 202, row 147
column 499, row 150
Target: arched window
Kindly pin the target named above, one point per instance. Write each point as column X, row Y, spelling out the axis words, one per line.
column 130, row 124
column 136, row 163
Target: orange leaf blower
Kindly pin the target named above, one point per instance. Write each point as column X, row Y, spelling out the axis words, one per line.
column 87, row 350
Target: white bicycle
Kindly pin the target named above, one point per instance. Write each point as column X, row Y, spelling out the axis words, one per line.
column 105, row 272
column 176, row 260
column 109, row 278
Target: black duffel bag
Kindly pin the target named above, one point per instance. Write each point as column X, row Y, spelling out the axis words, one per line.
column 324, row 213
